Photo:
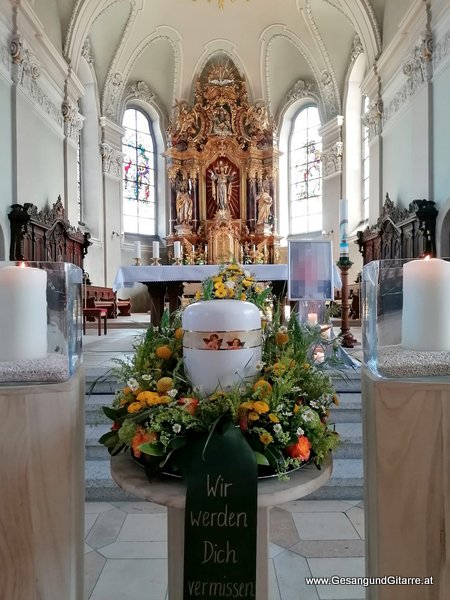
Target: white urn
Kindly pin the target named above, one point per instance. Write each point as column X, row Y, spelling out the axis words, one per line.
column 221, row 343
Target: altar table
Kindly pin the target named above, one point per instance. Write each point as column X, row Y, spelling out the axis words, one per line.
column 169, row 279
column 171, row 492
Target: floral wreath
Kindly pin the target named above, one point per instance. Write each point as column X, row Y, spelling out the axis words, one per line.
column 283, row 413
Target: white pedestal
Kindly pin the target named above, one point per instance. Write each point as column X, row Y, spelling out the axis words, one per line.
column 42, row 491
column 172, row 493
column 406, row 433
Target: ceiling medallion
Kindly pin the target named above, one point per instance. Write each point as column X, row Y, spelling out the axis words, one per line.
column 221, row 3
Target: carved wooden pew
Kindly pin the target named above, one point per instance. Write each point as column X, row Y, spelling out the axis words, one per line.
column 104, row 297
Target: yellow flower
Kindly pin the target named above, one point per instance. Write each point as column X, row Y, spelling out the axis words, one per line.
column 247, row 281
column 274, row 418
column 243, row 297
column 258, row 289
column 230, row 293
column 266, row 438
column 217, row 278
column 134, row 407
column 218, row 285
column 198, row 295
column 246, row 405
column 178, row 333
column 336, row 399
column 306, row 366
column 253, row 416
column 221, row 293
column 164, row 400
column 164, row 384
column 260, row 406
column 296, row 409
column 147, row 397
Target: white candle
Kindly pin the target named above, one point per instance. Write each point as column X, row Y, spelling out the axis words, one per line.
column 155, row 249
column 137, row 250
column 177, row 249
column 426, row 294
column 311, row 319
column 23, row 318
column 206, row 250
column 343, row 227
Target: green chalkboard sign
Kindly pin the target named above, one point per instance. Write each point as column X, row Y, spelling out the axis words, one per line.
column 220, row 521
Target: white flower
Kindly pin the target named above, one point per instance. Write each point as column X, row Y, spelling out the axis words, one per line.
column 308, row 415
column 260, row 365
column 172, row 393
column 283, row 329
column 230, row 284
column 132, row 384
column 277, row 428
column 146, row 377
column 247, row 273
column 176, row 428
column 300, row 431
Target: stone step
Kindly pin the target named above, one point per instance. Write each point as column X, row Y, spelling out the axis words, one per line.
column 346, row 482
column 351, row 445
column 93, row 408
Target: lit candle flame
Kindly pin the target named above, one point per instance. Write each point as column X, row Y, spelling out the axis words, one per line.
column 22, row 264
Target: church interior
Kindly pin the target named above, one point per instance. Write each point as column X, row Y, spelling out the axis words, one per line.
column 200, row 132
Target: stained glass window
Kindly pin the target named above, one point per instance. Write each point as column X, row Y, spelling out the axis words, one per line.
column 305, row 172
column 139, row 214
column 365, row 163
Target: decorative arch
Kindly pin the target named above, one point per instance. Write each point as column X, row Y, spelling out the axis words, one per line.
column 83, row 17
column 117, row 78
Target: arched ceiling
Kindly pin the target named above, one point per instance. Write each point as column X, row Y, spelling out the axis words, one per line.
column 165, row 43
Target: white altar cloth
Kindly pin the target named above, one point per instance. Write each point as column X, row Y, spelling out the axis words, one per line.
column 128, row 276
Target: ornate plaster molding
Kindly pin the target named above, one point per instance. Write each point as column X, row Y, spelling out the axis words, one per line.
column 139, row 90
column 373, row 118
column 332, row 159
column 25, row 72
column 328, row 83
column 112, row 160
column 328, row 93
column 441, row 49
column 418, row 69
column 73, row 120
column 301, row 89
column 86, row 52
column 113, row 92
column 357, row 49
column 6, row 58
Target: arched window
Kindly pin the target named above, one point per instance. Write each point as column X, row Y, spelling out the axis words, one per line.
column 305, row 172
column 139, row 214
column 365, row 162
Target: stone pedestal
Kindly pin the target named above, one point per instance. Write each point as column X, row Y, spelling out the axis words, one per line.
column 42, row 491
column 406, row 433
column 172, row 493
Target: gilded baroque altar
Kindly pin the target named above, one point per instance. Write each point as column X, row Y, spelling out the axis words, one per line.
column 222, row 166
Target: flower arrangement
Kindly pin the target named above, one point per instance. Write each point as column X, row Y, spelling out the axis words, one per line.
column 283, row 413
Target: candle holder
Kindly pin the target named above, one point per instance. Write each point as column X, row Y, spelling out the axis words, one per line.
column 177, row 262
column 137, row 261
column 348, row 341
column 405, row 332
column 42, row 329
column 155, row 262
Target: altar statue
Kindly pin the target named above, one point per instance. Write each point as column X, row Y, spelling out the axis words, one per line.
column 222, row 186
column 264, row 200
column 183, row 204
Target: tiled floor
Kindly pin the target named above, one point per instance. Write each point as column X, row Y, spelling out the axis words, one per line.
column 126, row 553
column 126, row 542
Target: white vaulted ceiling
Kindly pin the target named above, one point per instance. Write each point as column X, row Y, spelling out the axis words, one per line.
column 274, row 43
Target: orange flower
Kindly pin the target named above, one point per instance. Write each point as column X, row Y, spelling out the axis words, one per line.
column 163, row 352
column 189, row 405
column 141, row 437
column 281, row 338
column 301, row 449
column 164, row 384
column 178, row 334
column 263, row 388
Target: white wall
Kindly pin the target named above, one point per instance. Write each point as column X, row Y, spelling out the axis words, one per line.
column 405, row 153
column 6, row 193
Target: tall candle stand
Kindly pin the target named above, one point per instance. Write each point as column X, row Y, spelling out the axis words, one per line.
column 348, row 341
column 137, row 261
column 177, row 262
column 154, row 262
